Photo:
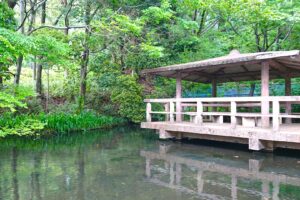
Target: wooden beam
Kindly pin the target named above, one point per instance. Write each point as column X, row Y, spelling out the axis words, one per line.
column 247, row 70
column 199, row 73
column 219, row 70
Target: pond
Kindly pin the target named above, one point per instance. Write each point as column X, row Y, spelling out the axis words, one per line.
column 132, row 164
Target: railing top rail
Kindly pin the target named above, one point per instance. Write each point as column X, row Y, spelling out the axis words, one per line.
column 228, row 99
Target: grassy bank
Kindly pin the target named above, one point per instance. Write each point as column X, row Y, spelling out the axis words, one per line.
column 54, row 123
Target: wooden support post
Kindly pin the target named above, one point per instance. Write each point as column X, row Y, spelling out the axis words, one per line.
column 288, row 105
column 171, row 112
column 167, row 110
column 148, row 112
column 178, row 96
column 265, row 106
column 276, row 112
column 233, row 114
column 199, row 118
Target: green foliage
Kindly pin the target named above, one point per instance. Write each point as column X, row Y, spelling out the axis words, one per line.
column 124, row 37
column 128, row 95
column 21, row 125
column 153, row 52
column 66, row 122
column 60, row 123
column 12, row 44
column 14, row 97
column 157, row 15
column 7, row 19
column 50, row 50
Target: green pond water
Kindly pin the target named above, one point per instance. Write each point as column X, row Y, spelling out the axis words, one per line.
column 132, row 164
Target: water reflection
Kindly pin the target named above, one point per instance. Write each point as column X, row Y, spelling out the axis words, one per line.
column 224, row 174
column 131, row 164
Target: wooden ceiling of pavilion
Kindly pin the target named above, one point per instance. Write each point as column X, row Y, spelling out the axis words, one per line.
column 234, row 67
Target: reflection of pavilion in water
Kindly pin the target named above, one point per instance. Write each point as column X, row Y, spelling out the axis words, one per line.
column 214, row 180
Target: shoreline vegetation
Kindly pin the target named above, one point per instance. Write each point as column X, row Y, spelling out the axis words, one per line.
column 70, row 65
column 55, row 123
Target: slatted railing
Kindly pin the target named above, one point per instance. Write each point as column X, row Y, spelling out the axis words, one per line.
column 233, row 108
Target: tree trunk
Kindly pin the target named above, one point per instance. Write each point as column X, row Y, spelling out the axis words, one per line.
column 30, row 27
column 12, row 3
column 252, row 89
column 33, row 70
column 43, row 19
column 20, row 58
column 32, row 16
column 19, row 68
column 38, row 83
column 39, row 72
column 202, row 22
column 1, row 78
column 85, row 54
column 67, row 24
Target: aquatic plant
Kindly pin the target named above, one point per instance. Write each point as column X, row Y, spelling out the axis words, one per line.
column 58, row 123
column 21, row 125
column 65, row 122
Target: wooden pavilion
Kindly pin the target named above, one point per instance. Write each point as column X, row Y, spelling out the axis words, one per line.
column 269, row 121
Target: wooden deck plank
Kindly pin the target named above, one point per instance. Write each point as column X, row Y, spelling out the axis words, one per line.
column 288, row 133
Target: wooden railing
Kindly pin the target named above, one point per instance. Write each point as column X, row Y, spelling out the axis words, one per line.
column 245, row 111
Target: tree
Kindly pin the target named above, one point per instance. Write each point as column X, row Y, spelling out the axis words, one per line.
column 49, row 51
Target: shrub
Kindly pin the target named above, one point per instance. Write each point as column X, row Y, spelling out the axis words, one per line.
column 21, row 125
column 128, row 95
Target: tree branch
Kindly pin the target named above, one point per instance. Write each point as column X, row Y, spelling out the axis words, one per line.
column 26, row 12
column 57, row 27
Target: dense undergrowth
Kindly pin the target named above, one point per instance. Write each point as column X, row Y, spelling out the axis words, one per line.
column 54, row 123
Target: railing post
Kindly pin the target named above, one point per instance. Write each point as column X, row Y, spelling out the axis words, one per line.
column 276, row 113
column 233, row 113
column 265, row 119
column 199, row 118
column 178, row 110
column 148, row 112
column 171, row 111
column 167, row 110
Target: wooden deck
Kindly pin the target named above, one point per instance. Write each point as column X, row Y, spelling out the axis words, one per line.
column 199, row 118
column 287, row 137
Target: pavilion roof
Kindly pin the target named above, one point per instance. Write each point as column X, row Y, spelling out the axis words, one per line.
column 234, row 67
